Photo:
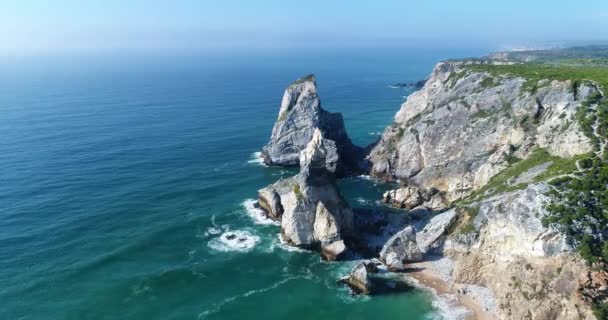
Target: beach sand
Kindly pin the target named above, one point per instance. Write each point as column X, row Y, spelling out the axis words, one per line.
column 424, row 274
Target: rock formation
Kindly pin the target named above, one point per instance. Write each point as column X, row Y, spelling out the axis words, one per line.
column 410, row 197
column 463, row 127
column 359, row 279
column 401, row 248
column 309, row 205
column 299, row 116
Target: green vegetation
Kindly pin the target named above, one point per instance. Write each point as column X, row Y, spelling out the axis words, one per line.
column 469, row 214
column 504, row 181
column 481, row 114
column 297, row 191
column 310, row 77
column 600, row 310
column 487, row 83
column 580, row 202
column 454, row 77
column 534, row 72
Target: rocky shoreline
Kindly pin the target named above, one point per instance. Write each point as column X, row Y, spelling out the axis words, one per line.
column 461, row 236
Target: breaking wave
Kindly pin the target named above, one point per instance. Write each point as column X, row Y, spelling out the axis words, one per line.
column 237, row 240
column 257, row 214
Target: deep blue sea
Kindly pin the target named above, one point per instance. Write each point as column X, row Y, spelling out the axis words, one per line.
column 119, row 173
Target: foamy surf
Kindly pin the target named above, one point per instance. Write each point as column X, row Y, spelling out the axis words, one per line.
column 448, row 308
column 256, row 158
column 256, row 214
column 237, row 240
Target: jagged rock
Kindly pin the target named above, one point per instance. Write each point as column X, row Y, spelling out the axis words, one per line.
column 300, row 115
column 457, row 132
column 400, row 248
column 510, row 248
column 313, row 212
column 434, row 231
column 404, row 197
column 410, row 197
column 359, row 279
column 333, row 251
column 320, row 153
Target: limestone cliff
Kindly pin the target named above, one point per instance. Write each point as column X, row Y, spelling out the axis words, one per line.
column 300, row 114
column 464, row 126
column 485, row 144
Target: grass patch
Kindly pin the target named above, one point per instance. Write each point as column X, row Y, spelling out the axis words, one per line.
column 481, row 114
column 469, row 215
column 502, row 182
column 309, row 77
column 487, row 82
column 297, row 191
column 534, row 72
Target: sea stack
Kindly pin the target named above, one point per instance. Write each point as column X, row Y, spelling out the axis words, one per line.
column 312, row 211
column 299, row 116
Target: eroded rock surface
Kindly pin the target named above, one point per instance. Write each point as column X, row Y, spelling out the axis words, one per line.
column 463, row 126
column 299, row 116
column 309, row 205
column 401, row 248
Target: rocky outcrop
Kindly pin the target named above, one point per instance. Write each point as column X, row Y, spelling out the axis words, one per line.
column 359, row 278
column 309, row 206
column 464, row 126
column 299, row 116
column 401, row 248
column 500, row 243
column 410, row 197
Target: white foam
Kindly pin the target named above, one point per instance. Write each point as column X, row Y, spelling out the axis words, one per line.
column 364, row 201
column 237, row 240
column 448, row 308
column 256, row 214
column 287, row 247
column 256, row 158
column 365, row 177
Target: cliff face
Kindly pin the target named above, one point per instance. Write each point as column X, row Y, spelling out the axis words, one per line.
column 487, row 144
column 300, row 114
column 500, row 243
column 464, row 126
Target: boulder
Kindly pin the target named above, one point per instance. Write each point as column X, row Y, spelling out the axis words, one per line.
column 299, row 117
column 333, row 251
column 410, row 197
column 401, row 248
column 359, row 279
column 431, row 236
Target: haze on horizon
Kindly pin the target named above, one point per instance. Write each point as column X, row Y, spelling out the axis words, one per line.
column 36, row 26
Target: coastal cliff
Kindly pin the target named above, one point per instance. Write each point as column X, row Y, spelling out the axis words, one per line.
column 465, row 126
column 502, row 168
column 492, row 141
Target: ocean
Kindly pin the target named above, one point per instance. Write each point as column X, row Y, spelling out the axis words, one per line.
column 119, row 174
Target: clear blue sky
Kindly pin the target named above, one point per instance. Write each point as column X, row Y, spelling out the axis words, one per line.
column 68, row 25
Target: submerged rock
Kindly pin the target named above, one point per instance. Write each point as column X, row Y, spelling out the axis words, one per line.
column 299, row 117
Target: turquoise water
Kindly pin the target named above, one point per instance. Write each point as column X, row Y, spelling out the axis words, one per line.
column 119, row 174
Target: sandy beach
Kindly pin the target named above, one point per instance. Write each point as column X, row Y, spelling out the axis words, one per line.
column 426, row 276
